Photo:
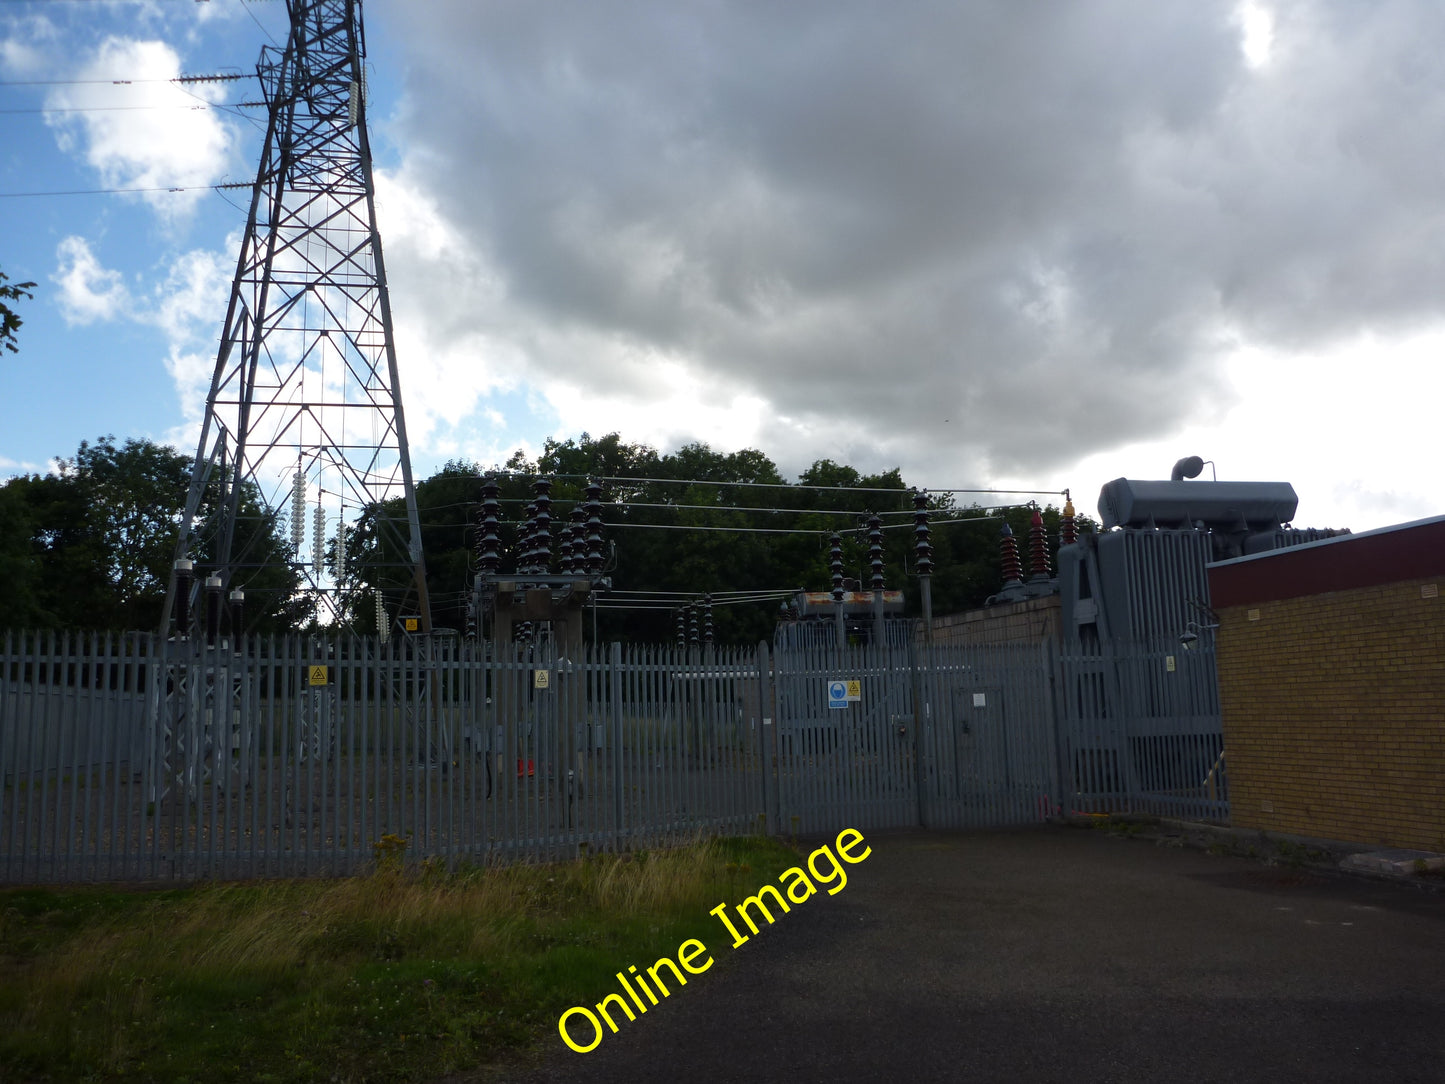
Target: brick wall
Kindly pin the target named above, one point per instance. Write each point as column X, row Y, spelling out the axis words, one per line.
column 1031, row 621
column 1334, row 713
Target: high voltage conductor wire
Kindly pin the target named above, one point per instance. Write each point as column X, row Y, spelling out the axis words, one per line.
column 715, row 594
column 129, row 191
column 119, row 108
column 613, row 507
column 564, row 502
column 736, row 530
column 221, row 78
column 824, row 489
column 907, row 492
column 790, row 530
column 748, row 508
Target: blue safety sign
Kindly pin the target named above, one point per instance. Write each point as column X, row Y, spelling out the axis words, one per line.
column 843, row 693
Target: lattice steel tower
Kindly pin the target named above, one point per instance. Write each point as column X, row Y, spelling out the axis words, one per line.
column 305, row 401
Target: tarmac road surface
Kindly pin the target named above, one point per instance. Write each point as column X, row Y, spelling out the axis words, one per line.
column 1052, row 954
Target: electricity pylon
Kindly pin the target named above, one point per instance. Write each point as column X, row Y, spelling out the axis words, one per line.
column 304, row 410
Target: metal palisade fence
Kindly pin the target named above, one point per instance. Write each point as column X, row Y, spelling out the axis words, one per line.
column 137, row 758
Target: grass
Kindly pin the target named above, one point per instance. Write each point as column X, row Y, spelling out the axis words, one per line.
column 400, row 975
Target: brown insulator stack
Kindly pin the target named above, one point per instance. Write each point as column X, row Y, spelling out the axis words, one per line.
column 1013, row 573
column 1038, row 548
column 1068, row 533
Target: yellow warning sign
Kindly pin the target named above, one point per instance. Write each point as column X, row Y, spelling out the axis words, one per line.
column 541, row 678
column 411, row 624
column 855, row 690
column 318, row 675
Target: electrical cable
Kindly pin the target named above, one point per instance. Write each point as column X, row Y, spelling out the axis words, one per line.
column 130, row 191
column 223, row 78
column 735, row 530
column 111, row 108
column 906, row 492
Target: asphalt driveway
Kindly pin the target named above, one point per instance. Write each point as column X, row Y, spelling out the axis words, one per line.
column 1055, row 954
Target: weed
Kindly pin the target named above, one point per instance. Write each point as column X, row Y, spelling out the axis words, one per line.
column 402, row 974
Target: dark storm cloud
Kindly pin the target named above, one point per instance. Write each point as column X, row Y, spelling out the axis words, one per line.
column 1030, row 229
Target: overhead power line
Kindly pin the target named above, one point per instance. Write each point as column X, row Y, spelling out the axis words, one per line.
column 222, row 77
column 827, row 489
column 129, row 191
column 907, row 492
column 628, row 592
column 736, row 530
column 748, row 508
column 120, row 108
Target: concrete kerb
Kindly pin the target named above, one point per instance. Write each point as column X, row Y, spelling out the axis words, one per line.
column 1423, row 868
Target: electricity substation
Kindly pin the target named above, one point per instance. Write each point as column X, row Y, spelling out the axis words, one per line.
column 202, row 750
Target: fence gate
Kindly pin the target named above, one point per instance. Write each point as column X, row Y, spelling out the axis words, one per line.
column 887, row 738
column 989, row 735
column 847, row 743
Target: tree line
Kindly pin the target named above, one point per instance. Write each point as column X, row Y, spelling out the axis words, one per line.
column 90, row 545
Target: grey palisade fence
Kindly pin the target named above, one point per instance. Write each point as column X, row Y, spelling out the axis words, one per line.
column 140, row 758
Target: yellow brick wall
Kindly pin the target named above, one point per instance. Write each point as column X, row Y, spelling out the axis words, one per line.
column 1334, row 714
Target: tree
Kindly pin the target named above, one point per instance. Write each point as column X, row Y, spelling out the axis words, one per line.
column 9, row 322
column 91, row 545
column 669, row 525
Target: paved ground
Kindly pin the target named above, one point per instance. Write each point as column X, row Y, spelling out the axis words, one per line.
column 1055, row 954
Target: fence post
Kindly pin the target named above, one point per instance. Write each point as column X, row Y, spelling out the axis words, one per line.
column 614, row 699
column 1051, row 662
column 919, row 776
column 768, row 744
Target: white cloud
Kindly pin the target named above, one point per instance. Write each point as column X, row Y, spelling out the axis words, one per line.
column 975, row 241
column 148, row 132
column 18, row 58
column 1315, row 420
column 444, row 300
column 188, row 306
column 26, row 45
column 680, row 407
column 88, row 291
column 1256, row 33
column 191, row 301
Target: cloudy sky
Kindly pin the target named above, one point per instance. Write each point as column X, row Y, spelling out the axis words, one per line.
column 992, row 243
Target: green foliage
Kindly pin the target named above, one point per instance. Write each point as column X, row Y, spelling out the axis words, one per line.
column 666, row 538
column 395, row 976
column 90, row 546
column 9, row 321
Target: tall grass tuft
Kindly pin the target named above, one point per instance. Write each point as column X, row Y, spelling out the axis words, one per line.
column 399, row 975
